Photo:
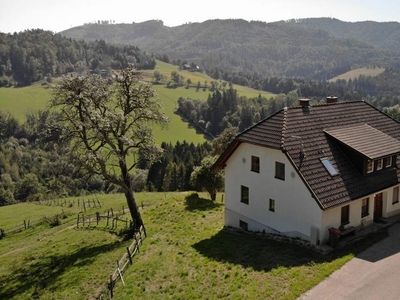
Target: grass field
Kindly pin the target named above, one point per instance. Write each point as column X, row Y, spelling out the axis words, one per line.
column 187, row 255
column 19, row 101
column 357, row 72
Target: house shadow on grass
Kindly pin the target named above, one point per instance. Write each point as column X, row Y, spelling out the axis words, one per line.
column 194, row 202
column 264, row 254
column 42, row 273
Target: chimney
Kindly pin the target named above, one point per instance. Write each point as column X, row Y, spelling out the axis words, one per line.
column 304, row 102
column 331, row 99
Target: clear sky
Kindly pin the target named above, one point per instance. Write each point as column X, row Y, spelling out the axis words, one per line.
column 58, row 15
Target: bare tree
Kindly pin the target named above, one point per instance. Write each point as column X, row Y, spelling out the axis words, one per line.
column 107, row 123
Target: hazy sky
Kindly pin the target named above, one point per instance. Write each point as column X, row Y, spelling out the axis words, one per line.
column 56, row 15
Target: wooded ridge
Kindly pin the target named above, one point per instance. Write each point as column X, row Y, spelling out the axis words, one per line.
column 249, row 49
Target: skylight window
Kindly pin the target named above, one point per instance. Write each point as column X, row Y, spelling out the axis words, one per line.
column 328, row 166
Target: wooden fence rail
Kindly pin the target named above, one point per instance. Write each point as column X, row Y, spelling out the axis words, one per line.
column 81, row 203
column 126, row 260
column 111, row 216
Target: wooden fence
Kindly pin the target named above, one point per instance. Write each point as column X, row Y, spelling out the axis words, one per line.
column 126, row 260
column 84, row 204
column 111, row 216
column 52, row 220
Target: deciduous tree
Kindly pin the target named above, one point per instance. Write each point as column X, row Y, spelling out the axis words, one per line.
column 107, row 123
column 203, row 176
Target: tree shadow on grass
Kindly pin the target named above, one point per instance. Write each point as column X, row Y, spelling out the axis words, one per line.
column 193, row 202
column 264, row 254
column 42, row 273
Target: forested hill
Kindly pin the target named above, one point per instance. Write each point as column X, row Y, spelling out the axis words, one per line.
column 32, row 55
column 250, row 49
column 383, row 35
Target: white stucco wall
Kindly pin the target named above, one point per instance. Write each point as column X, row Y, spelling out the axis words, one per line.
column 332, row 217
column 295, row 209
column 390, row 209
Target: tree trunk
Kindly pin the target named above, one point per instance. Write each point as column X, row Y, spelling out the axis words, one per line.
column 133, row 209
column 130, row 198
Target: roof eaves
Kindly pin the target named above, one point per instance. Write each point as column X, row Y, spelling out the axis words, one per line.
column 220, row 163
column 283, row 131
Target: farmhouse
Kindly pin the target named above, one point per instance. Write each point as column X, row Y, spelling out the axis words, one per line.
column 307, row 168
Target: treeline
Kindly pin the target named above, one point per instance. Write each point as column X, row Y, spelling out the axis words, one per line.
column 225, row 109
column 172, row 171
column 34, row 164
column 32, row 55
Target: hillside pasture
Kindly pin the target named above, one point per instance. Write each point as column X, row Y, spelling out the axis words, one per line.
column 187, row 255
column 20, row 101
column 353, row 74
column 23, row 100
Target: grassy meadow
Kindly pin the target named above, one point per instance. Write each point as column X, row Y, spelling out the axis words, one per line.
column 353, row 74
column 186, row 255
column 19, row 101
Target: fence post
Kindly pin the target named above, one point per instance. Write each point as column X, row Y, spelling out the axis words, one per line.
column 111, row 287
column 24, row 224
column 112, row 212
column 98, row 202
column 83, row 219
column 129, row 255
column 97, row 217
column 77, row 221
column 84, row 206
column 108, row 217
column 142, row 205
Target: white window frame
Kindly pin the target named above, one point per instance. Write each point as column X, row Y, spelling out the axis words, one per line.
column 389, row 160
column 379, row 164
column 370, row 166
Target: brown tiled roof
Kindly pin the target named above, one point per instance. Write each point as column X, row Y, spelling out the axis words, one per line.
column 366, row 140
column 298, row 130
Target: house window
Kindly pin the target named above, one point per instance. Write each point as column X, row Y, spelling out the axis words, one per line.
column 244, row 197
column 272, row 205
column 379, row 164
column 365, row 207
column 388, row 162
column 244, row 225
column 279, row 170
column 395, row 198
column 370, row 166
column 255, row 164
column 345, row 215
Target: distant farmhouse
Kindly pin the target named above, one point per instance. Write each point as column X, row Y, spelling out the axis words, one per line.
column 307, row 168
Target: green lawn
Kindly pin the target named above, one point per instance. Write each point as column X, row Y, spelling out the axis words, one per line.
column 187, row 255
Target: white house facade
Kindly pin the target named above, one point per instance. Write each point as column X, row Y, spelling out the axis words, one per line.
column 308, row 168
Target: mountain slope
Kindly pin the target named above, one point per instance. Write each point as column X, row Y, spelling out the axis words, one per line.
column 383, row 35
column 246, row 48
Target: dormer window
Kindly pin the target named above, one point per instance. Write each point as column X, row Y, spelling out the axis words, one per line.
column 379, row 164
column 388, row 162
column 370, row 166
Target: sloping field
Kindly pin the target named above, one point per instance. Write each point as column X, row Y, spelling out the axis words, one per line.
column 357, row 72
column 19, row 101
column 187, row 255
